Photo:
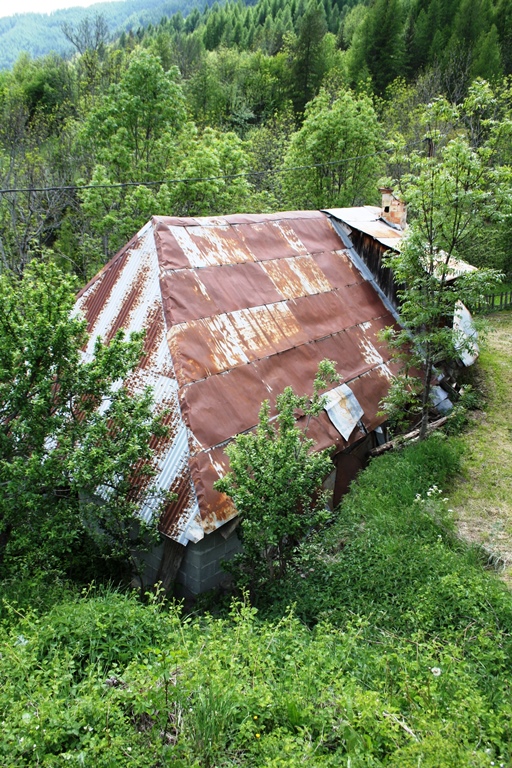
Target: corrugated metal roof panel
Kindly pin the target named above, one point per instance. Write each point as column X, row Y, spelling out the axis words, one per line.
column 126, row 295
column 185, row 297
column 317, row 236
column 216, row 508
column 320, row 315
column 270, row 240
column 219, row 407
column 370, row 389
column 343, row 409
column 211, row 246
column 367, row 218
column 338, row 268
column 296, row 277
column 239, row 286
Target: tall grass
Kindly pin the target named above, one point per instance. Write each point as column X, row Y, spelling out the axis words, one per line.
column 405, row 659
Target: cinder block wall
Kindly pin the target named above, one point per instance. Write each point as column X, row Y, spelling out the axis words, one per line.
column 200, row 568
column 151, row 563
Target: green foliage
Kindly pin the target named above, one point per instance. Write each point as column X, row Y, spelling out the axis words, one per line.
column 406, row 660
column 392, row 557
column 334, row 154
column 121, row 111
column 127, row 128
column 275, row 482
column 309, row 60
column 451, row 194
column 379, row 43
column 104, row 679
column 215, row 162
column 66, row 430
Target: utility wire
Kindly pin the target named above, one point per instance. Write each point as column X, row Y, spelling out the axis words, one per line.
column 268, row 172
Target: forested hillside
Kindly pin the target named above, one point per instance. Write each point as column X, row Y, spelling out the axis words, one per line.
column 263, row 107
column 42, row 33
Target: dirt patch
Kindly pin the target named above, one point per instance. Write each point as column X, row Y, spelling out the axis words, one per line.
column 482, row 497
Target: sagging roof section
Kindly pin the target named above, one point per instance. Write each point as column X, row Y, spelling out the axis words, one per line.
column 369, row 220
column 237, row 308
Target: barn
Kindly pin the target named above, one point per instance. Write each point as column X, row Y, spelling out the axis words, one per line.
column 236, row 308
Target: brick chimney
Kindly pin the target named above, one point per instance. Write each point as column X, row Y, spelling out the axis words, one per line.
column 394, row 211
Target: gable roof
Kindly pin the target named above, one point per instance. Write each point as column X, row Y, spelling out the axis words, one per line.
column 236, row 308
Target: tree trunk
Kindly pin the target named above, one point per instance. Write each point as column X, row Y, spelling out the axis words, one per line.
column 5, row 535
column 425, row 398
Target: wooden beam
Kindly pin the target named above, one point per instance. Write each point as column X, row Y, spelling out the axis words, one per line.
column 410, row 436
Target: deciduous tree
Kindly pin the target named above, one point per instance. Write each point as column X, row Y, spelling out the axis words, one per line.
column 450, row 193
column 338, row 145
column 71, row 438
column 275, row 481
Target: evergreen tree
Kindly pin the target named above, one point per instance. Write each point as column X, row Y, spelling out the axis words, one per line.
column 308, row 64
column 487, row 56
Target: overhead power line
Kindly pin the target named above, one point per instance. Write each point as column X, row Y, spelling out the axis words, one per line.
column 191, row 180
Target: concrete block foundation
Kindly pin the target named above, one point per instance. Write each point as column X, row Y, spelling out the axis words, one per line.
column 201, row 569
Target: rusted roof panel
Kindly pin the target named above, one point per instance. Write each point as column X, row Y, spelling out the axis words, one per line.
column 325, row 434
column 236, row 308
column 369, row 341
column 219, row 407
column 238, row 286
column 300, row 276
column 216, row 508
column 292, row 368
column 218, row 344
column 181, row 509
column 211, row 246
column 170, row 255
column 317, row 236
column 259, row 218
column 185, row 297
column 320, row 315
column 344, row 348
column 338, row 268
column 126, row 294
column 370, row 389
column 271, row 240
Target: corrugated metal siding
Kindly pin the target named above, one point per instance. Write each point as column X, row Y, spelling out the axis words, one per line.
column 236, row 308
column 126, row 295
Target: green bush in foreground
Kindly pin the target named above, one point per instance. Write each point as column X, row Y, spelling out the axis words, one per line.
column 406, row 662
column 392, row 555
column 106, row 681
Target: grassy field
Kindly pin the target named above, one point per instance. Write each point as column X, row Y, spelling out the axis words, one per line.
column 482, row 498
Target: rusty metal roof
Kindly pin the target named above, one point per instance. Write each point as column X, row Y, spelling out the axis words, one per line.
column 236, row 308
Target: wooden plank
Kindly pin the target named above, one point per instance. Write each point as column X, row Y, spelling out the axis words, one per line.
column 409, row 437
column 170, row 563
